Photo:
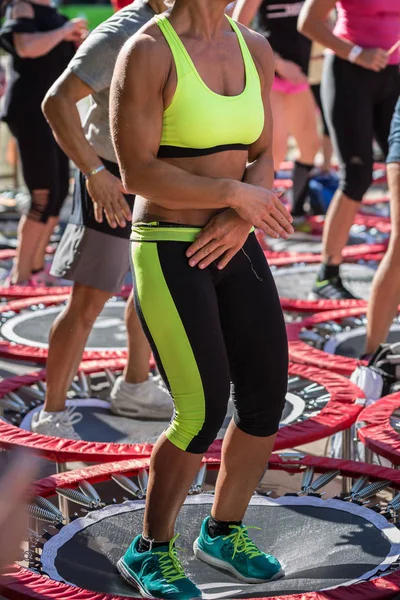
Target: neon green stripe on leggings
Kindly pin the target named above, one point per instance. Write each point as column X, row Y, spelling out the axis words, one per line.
column 173, row 346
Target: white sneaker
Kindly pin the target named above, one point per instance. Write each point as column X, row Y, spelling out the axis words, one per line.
column 147, row 400
column 58, row 424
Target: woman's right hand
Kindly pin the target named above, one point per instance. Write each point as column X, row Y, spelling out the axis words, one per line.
column 288, row 70
column 75, row 30
column 374, row 59
column 263, row 209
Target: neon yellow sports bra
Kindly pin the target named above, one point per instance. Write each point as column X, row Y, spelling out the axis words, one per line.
column 199, row 121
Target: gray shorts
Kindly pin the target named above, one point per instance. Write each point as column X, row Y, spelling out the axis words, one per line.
column 92, row 258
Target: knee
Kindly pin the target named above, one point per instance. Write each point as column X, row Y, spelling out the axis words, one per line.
column 85, row 305
column 39, row 209
column 355, row 177
column 198, row 418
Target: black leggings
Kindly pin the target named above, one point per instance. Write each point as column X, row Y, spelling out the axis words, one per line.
column 358, row 106
column 44, row 166
column 316, row 91
column 208, row 328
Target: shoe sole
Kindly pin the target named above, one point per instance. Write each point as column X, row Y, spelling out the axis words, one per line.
column 127, row 576
column 221, row 564
column 313, row 296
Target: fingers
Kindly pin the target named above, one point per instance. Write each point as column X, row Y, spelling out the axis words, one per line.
column 282, row 221
column 204, row 238
column 214, row 255
column 98, row 212
column 204, row 255
column 283, row 210
column 227, row 257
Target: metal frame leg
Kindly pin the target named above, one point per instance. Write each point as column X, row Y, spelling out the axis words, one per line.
column 63, row 502
column 346, row 455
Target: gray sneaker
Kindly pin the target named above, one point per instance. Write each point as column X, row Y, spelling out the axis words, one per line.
column 147, row 400
column 59, row 424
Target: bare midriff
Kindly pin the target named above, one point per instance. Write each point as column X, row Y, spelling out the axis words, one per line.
column 222, row 165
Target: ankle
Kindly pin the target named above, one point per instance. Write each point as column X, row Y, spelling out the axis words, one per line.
column 216, row 527
column 328, row 271
column 130, row 379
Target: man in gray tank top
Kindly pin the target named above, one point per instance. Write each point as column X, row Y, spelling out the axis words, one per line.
column 95, row 255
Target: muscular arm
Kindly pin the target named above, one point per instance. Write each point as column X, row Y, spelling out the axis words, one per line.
column 260, row 169
column 136, row 111
column 60, row 109
column 314, row 23
column 245, row 11
column 33, row 45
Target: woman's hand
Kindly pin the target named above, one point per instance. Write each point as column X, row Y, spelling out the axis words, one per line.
column 374, row 59
column 106, row 191
column 263, row 209
column 224, row 235
column 290, row 71
column 75, row 30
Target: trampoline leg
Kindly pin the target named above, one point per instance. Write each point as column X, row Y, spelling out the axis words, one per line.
column 63, row 502
column 369, row 457
column 346, row 455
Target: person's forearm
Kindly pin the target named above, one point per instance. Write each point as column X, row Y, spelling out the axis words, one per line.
column 245, row 11
column 63, row 117
column 33, row 45
column 260, row 172
column 176, row 189
column 319, row 31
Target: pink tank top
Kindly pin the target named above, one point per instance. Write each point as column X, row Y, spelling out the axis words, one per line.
column 370, row 24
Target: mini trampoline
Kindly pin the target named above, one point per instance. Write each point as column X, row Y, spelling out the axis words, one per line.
column 379, row 428
column 377, row 206
column 295, row 275
column 345, row 548
column 333, row 339
column 25, row 325
column 318, row 405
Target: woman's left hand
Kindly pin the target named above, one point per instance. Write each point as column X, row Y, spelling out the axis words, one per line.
column 224, row 235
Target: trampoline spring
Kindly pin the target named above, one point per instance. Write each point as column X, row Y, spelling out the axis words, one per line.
column 322, row 481
column 293, row 380
column 41, row 514
column 329, row 327
column 351, row 322
column 84, row 383
column 18, row 400
column 128, row 485
column 371, row 490
column 87, row 489
column 47, row 505
column 42, row 386
column 312, row 387
column 311, row 337
column 358, row 485
column 307, row 478
column 394, row 505
column 75, row 388
column 143, row 480
column 32, row 392
column 110, row 376
column 7, row 403
column 78, row 498
column 197, row 485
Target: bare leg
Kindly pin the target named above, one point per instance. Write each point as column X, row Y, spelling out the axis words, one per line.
column 68, row 338
column 339, row 219
column 244, row 459
column 39, row 256
column 171, row 473
column 300, row 110
column 385, row 293
column 281, row 131
column 137, row 368
column 30, row 232
column 327, row 151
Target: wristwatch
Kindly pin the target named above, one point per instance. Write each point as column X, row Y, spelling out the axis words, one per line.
column 354, row 53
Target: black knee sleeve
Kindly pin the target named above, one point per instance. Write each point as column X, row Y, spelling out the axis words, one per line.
column 355, row 177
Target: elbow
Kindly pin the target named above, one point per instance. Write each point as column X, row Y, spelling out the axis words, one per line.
column 50, row 105
column 24, row 51
column 303, row 23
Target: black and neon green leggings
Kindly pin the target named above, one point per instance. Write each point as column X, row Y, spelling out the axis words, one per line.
column 208, row 328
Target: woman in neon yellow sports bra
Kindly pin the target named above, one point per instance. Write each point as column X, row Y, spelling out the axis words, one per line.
column 191, row 124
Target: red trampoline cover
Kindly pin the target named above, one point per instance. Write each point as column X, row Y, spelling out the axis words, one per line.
column 376, row 431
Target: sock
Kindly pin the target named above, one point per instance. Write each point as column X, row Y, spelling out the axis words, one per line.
column 145, row 545
column 328, row 272
column 301, row 174
column 36, row 271
column 216, row 527
column 48, row 413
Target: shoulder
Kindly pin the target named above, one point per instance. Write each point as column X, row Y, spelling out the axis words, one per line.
column 260, row 49
column 21, row 10
column 145, row 52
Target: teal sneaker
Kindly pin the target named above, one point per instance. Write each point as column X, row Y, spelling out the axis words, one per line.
column 157, row 573
column 238, row 554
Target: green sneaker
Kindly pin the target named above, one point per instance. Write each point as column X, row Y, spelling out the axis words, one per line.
column 157, row 573
column 238, row 554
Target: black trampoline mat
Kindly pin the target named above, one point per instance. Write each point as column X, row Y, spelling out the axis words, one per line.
column 296, row 282
column 319, row 548
column 354, row 346
column 32, row 328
